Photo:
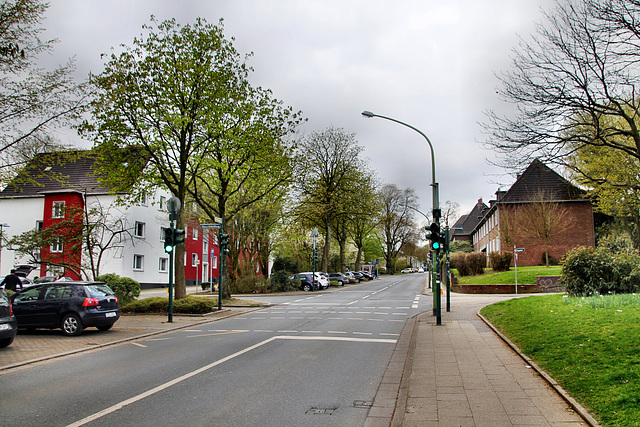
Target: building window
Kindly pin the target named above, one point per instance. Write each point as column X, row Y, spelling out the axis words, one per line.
column 194, row 260
column 195, row 233
column 163, row 203
column 139, row 229
column 56, row 246
column 144, row 200
column 39, row 225
column 58, row 210
column 214, row 262
column 163, row 265
column 138, row 262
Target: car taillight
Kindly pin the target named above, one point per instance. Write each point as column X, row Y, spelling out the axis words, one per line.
column 90, row 302
column 10, row 309
column 116, row 298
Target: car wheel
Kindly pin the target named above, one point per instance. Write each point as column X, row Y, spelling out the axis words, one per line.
column 306, row 287
column 105, row 327
column 71, row 325
column 6, row 342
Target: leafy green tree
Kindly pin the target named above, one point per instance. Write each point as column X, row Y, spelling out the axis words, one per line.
column 327, row 163
column 177, row 110
column 33, row 101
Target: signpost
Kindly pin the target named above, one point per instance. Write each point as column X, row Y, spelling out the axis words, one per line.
column 516, row 251
column 174, row 207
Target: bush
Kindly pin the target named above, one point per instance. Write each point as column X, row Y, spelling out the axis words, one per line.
column 468, row 264
column 588, row 271
column 500, row 261
column 125, row 288
column 249, row 285
column 188, row 305
column 280, row 282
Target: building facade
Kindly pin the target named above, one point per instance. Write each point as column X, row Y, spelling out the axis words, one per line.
column 64, row 194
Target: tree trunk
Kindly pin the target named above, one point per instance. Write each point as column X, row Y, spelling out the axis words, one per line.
column 180, row 283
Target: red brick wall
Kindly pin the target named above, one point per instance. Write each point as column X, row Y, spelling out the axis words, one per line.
column 581, row 233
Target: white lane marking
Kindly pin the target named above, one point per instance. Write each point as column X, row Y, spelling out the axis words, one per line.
column 139, row 345
column 214, row 334
column 178, row 380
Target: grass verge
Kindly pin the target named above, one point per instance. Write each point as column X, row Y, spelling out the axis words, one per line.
column 589, row 345
column 526, row 275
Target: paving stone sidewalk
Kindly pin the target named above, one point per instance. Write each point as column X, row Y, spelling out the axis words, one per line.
column 461, row 373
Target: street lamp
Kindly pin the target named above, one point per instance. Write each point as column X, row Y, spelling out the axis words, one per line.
column 436, row 205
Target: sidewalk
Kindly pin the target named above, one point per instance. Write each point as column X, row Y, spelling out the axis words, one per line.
column 29, row 347
column 461, row 373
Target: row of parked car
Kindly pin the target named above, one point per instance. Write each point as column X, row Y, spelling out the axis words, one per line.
column 69, row 305
column 323, row 280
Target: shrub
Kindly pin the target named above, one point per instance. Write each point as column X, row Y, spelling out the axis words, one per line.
column 587, row 271
column 500, row 261
column 249, row 285
column 188, row 305
column 458, row 261
column 285, row 264
column 460, row 246
column 477, row 262
column 280, row 282
column 125, row 288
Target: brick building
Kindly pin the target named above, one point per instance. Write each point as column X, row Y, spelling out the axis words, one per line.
column 509, row 216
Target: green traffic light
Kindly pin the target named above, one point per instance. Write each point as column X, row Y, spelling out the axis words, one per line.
column 435, row 245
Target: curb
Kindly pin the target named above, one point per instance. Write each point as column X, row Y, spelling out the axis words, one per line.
column 137, row 337
column 580, row 410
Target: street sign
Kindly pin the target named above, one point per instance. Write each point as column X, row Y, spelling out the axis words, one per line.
column 519, row 250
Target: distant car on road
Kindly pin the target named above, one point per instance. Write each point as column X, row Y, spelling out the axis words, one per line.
column 406, row 270
column 8, row 322
column 70, row 306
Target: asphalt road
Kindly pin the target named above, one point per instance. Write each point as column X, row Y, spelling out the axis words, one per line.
column 314, row 359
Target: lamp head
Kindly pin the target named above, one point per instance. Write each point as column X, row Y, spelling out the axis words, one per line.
column 368, row 114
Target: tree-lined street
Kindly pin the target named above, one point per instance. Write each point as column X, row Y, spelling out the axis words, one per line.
column 314, row 359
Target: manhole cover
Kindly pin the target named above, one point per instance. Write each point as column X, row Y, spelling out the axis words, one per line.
column 362, row 404
column 320, row 411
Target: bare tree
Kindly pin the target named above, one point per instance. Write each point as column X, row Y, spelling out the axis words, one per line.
column 543, row 220
column 397, row 225
column 574, row 84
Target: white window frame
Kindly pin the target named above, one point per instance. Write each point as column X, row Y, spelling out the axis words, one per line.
column 57, row 247
column 195, row 233
column 163, row 265
column 163, row 203
column 139, row 229
column 194, row 260
column 57, row 209
column 138, row 262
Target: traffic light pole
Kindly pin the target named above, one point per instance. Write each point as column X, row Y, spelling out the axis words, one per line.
column 171, row 257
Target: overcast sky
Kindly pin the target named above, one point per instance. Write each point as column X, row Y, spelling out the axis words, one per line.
column 428, row 63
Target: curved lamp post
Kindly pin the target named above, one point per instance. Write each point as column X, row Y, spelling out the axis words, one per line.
column 436, row 207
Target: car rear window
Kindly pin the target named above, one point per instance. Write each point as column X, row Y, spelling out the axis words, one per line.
column 99, row 290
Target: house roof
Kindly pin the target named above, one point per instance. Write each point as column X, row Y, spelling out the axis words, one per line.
column 69, row 171
column 536, row 179
column 469, row 222
column 539, row 178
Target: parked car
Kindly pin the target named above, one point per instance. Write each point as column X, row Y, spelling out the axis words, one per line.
column 406, row 270
column 8, row 322
column 339, row 277
column 70, row 306
column 307, row 282
column 366, row 275
column 47, row 279
column 352, row 278
column 321, row 278
column 358, row 275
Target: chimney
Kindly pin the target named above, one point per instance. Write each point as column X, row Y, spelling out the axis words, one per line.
column 480, row 201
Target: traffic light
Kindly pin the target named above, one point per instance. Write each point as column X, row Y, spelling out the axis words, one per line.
column 169, row 243
column 178, row 236
column 434, row 237
column 224, row 243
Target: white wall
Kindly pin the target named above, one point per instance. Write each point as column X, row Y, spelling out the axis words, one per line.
column 22, row 215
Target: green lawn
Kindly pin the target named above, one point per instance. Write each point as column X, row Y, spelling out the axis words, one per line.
column 589, row 345
column 526, row 275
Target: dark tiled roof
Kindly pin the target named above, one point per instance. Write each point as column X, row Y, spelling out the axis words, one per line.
column 70, row 171
column 539, row 178
column 469, row 222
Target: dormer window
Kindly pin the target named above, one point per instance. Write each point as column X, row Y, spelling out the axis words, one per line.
column 58, row 210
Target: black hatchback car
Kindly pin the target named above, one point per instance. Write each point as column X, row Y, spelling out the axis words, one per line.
column 8, row 324
column 70, row 306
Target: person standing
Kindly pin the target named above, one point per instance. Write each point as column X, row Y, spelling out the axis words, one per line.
column 12, row 282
